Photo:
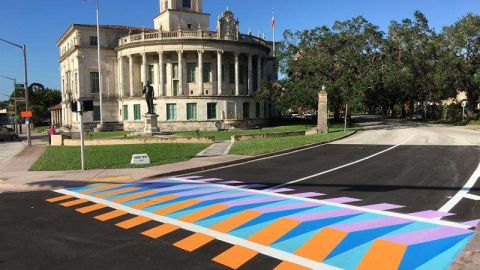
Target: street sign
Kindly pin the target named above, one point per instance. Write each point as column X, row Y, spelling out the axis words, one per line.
column 19, row 91
column 26, row 114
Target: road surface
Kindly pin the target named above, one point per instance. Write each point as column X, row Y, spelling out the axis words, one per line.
column 399, row 195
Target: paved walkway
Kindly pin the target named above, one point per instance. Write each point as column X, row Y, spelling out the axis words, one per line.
column 9, row 150
column 15, row 174
column 217, row 149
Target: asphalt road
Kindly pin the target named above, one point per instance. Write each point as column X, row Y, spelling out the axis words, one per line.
column 415, row 166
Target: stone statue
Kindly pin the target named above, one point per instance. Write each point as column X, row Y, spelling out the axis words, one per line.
column 149, row 97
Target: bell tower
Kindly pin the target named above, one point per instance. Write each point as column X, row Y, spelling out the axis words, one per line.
column 184, row 14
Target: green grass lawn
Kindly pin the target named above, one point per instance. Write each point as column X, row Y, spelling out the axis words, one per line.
column 60, row 158
column 226, row 135
column 265, row 146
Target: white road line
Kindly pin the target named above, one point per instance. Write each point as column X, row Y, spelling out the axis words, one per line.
column 341, row 167
column 472, row 197
column 462, row 192
column 272, row 252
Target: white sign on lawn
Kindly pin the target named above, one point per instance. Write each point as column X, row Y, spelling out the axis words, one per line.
column 140, row 159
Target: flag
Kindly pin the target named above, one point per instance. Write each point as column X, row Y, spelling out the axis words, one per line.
column 273, row 19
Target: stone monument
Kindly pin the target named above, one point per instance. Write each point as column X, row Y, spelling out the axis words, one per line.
column 322, row 125
column 151, row 123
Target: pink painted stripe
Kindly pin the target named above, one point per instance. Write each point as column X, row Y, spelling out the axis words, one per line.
column 231, row 182
column 383, row 206
column 224, row 196
column 199, row 192
column 325, row 215
column 279, row 190
column 431, row 214
column 423, row 236
column 307, row 194
column 342, row 200
column 191, row 177
column 472, row 223
column 252, row 186
column 371, row 224
column 284, row 207
column 209, row 180
column 253, row 201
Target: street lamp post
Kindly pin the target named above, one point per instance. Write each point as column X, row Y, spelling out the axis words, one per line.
column 14, row 100
column 24, row 51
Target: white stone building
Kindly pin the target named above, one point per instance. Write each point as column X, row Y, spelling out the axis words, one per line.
column 200, row 77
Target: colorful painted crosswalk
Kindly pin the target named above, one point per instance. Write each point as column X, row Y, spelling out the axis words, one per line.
column 300, row 229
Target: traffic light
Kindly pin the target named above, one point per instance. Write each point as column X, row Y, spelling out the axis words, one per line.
column 82, row 106
column 74, row 106
column 88, row 106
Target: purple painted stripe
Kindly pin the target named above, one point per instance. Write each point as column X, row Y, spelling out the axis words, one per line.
column 199, row 192
column 325, row 215
column 179, row 187
column 307, row 194
column 191, row 177
column 383, row 206
column 417, row 237
column 230, row 182
column 342, row 200
column 252, row 186
column 253, row 201
column 472, row 223
column 371, row 224
column 224, row 196
column 208, row 180
column 279, row 190
column 284, row 207
column 430, row 214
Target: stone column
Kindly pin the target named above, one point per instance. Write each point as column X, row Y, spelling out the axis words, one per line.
column 130, row 70
column 144, row 70
column 161, row 79
column 121, row 83
column 200, row 73
column 250, row 74
column 180, row 73
column 237, row 75
column 259, row 73
column 322, row 125
column 219, row 73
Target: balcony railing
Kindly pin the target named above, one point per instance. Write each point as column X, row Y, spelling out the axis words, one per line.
column 190, row 34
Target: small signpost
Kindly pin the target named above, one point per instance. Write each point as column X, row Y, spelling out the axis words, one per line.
column 464, row 104
column 26, row 114
column 80, row 107
column 140, row 159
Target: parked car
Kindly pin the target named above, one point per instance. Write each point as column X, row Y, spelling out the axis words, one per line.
column 8, row 134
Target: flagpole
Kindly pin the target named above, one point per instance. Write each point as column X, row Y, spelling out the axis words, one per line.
column 273, row 26
column 100, row 81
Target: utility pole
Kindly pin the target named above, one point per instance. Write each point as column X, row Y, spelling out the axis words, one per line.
column 24, row 51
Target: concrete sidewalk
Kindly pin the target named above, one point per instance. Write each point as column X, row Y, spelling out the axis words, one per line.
column 15, row 174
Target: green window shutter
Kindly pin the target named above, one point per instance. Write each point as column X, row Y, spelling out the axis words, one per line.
column 246, row 110
column 136, row 112
column 96, row 113
column 171, row 112
column 212, row 111
column 125, row 112
column 94, row 82
column 191, row 111
column 191, row 69
column 207, row 69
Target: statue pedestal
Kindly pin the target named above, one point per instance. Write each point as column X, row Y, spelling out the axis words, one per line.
column 322, row 124
column 151, row 124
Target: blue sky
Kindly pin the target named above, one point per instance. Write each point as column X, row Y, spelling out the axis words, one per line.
column 39, row 23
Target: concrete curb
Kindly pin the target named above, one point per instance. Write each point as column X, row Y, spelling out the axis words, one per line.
column 469, row 259
column 218, row 165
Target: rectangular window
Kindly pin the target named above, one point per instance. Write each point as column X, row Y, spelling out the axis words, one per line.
column 125, row 112
column 164, row 73
column 136, row 112
column 151, row 74
column 231, row 73
column 191, row 69
column 246, row 110
column 223, row 73
column 242, row 74
column 211, row 111
column 96, row 113
column 175, row 71
column 93, row 41
column 257, row 110
column 191, row 111
column 171, row 112
column 94, row 82
column 207, row 72
column 187, row 3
